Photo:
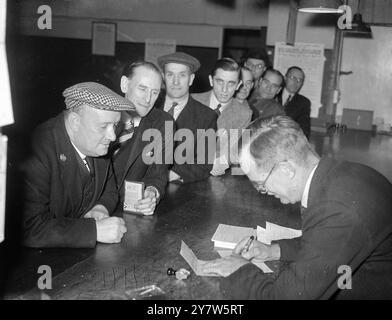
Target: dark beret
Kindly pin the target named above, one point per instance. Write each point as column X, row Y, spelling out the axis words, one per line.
column 179, row 57
column 97, row 96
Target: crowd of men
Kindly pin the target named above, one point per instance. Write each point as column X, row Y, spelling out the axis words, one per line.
column 75, row 179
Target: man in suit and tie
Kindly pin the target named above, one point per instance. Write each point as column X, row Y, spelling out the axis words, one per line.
column 69, row 187
column 232, row 115
column 345, row 251
column 296, row 106
column 141, row 83
column 179, row 72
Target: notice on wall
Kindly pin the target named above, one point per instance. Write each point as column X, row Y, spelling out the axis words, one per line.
column 104, row 38
column 309, row 57
column 3, row 174
column 158, row 47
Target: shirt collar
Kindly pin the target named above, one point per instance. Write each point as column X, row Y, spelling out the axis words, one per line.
column 83, row 156
column 214, row 102
column 305, row 195
column 181, row 103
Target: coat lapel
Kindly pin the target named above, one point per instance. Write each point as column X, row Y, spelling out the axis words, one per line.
column 68, row 163
column 137, row 146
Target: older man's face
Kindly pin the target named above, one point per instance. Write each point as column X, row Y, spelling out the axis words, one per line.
column 275, row 182
column 142, row 89
column 95, row 130
column 270, row 85
column 294, row 80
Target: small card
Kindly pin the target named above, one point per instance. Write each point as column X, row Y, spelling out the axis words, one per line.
column 133, row 193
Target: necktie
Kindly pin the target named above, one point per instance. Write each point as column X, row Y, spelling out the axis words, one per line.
column 217, row 109
column 127, row 132
column 171, row 110
column 288, row 100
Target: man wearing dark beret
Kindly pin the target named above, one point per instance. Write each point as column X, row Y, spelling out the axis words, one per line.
column 179, row 72
column 69, row 184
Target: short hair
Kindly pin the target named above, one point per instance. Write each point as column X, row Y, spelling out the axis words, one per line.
column 275, row 139
column 258, row 53
column 226, row 64
column 130, row 69
column 295, row 67
column 276, row 72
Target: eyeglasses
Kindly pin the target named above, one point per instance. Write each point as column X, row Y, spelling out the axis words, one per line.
column 254, row 66
column 298, row 80
column 269, row 83
column 260, row 187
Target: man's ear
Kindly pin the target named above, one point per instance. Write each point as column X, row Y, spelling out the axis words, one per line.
column 211, row 81
column 288, row 169
column 74, row 121
column 277, row 92
column 191, row 79
column 124, row 84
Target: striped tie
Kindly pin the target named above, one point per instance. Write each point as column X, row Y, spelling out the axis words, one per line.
column 171, row 110
column 217, row 109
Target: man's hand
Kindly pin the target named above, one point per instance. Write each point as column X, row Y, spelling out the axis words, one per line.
column 98, row 212
column 224, row 266
column 220, row 166
column 258, row 250
column 110, row 230
column 147, row 205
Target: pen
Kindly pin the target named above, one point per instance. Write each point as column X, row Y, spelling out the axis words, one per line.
column 248, row 243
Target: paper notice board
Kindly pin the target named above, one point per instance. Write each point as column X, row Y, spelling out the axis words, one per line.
column 158, row 47
column 309, row 57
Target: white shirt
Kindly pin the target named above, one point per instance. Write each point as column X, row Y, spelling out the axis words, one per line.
column 178, row 108
column 214, row 103
column 305, row 195
column 82, row 156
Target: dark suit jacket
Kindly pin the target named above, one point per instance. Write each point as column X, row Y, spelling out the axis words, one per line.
column 129, row 164
column 265, row 108
column 298, row 109
column 195, row 116
column 348, row 222
column 53, row 212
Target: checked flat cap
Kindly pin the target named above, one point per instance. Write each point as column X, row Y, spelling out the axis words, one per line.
column 179, row 57
column 97, row 96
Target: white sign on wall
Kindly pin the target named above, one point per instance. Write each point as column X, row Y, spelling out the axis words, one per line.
column 309, row 57
column 158, row 47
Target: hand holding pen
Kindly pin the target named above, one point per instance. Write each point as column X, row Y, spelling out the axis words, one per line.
column 249, row 249
column 247, row 245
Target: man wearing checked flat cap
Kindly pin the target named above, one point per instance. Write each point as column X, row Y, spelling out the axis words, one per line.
column 179, row 72
column 69, row 188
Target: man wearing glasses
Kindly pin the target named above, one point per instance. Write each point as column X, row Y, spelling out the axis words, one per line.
column 296, row 106
column 257, row 61
column 346, row 223
column 263, row 103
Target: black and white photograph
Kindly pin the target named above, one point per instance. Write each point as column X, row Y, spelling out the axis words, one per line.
column 195, row 155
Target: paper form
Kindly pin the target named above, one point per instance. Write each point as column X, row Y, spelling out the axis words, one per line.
column 227, row 236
